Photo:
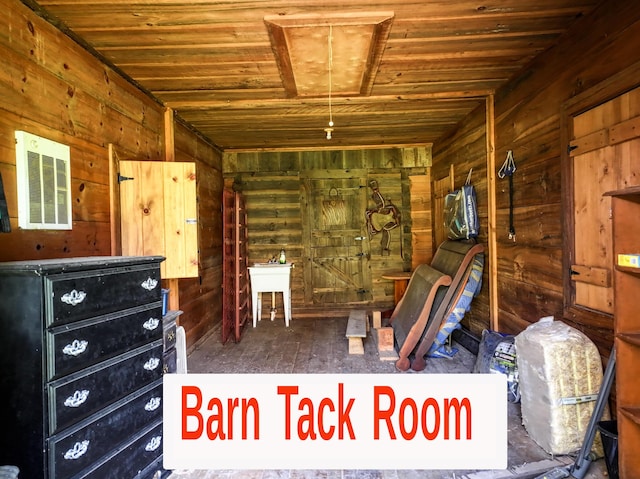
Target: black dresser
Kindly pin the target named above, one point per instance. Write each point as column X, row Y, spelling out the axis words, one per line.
column 81, row 364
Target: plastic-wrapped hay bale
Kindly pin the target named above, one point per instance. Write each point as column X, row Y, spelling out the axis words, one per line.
column 560, row 372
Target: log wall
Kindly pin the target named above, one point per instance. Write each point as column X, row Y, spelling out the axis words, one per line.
column 52, row 87
column 528, row 120
column 271, row 183
column 466, row 150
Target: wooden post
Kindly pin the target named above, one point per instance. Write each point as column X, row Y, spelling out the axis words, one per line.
column 169, row 155
column 114, row 226
column 169, row 136
column 491, row 216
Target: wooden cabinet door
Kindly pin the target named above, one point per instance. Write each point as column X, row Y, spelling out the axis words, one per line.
column 604, row 153
column 336, row 249
column 159, row 214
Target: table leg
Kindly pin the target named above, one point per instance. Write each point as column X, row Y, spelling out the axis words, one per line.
column 272, row 313
column 286, row 297
column 399, row 287
column 254, row 307
column 259, row 305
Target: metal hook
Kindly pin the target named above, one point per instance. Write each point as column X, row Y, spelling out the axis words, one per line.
column 508, row 168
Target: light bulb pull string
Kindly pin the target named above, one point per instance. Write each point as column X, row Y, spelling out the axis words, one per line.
column 330, row 71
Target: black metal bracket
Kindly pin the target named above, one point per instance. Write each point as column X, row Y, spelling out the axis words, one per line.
column 123, row 178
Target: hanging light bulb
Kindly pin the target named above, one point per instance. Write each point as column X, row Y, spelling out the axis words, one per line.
column 328, row 131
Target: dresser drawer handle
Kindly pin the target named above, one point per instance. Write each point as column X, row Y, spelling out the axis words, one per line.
column 77, row 399
column 74, row 297
column 76, row 347
column 151, row 364
column 153, row 444
column 149, row 284
column 171, row 336
column 151, row 324
column 153, row 404
column 78, row 450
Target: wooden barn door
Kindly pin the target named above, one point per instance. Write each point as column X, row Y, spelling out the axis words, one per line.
column 441, row 188
column 604, row 156
column 336, row 250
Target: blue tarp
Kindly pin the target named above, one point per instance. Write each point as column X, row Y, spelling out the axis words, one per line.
column 471, row 290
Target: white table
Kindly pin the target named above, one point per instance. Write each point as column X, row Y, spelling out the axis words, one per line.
column 274, row 278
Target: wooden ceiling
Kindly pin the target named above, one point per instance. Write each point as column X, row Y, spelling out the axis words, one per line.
column 253, row 74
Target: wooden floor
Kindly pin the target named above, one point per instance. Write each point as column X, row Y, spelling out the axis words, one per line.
column 320, row 346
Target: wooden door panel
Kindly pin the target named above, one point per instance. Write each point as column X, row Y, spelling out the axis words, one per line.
column 593, row 175
column 441, row 188
column 421, row 222
column 605, row 156
column 159, row 215
column 337, row 265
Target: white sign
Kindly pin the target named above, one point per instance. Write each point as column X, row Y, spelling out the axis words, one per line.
column 335, row 421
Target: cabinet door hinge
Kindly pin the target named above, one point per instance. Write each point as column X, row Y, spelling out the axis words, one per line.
column 123, row 178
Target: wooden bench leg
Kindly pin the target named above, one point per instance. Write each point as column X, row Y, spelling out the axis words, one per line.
column 356, row 346
column 356, row 331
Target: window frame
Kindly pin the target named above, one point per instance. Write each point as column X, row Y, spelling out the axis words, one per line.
column 55, row 211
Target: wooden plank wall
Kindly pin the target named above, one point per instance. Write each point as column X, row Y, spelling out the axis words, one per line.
column 271, row 183
column 391, row 184
column 200, row 297
column 528, row 121
column 52, row 87
column 464, row 150
column 421, row 219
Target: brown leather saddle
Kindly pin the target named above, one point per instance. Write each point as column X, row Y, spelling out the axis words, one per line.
column 383, row 218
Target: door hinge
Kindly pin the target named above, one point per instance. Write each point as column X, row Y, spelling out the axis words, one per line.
column 123, row 178
column 570, row 148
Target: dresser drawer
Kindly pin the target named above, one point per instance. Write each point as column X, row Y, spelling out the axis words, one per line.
column 82, row 343
column 170, row 361
column 169, row 334
column 97, row 438
column 144, row 449
column 81, row 394
column 154, row 471
column 75, row 296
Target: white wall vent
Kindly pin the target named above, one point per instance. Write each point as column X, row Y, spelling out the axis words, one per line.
column 44, row 183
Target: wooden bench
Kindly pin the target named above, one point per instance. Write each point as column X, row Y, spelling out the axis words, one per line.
column 356, row 331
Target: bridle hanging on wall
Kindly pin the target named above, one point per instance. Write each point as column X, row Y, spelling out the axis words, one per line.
column 508, row 168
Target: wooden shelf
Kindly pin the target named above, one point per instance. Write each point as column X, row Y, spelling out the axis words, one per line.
column 236, row 298
column 627, row 269
column 626, row 228
column 631, row 413
column 631, row 338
